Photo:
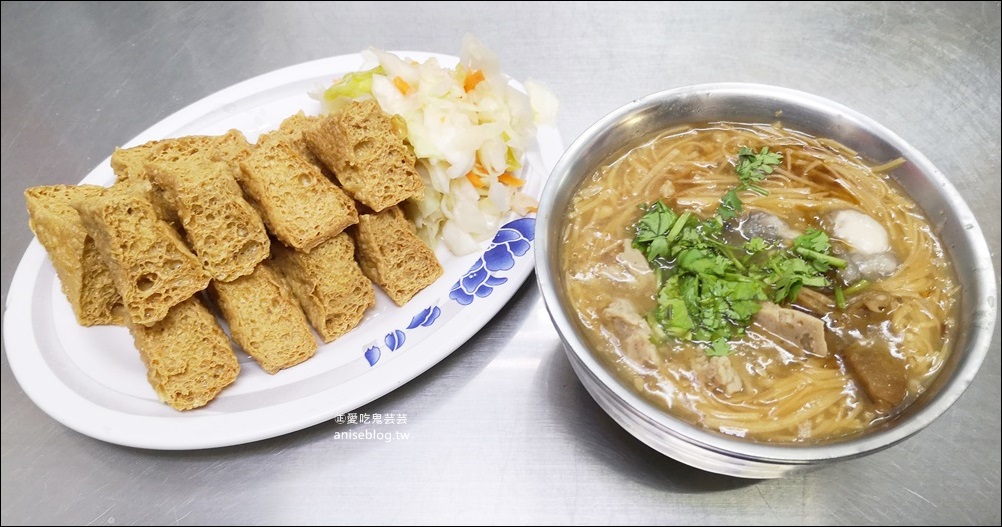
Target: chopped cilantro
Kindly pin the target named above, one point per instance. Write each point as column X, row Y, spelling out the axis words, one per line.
column 706, row 292
column 755, row 245
column 719, row 348
column 730, row 205
column 857, row 287
column 653, row 230
column 788, row 274
column 839, row 297
column 813, row 245
column 751, row 169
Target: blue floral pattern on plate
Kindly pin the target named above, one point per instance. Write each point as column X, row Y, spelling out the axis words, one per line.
column 395, row 339
column 426, row 317
column 513, row 240
column 372, row 355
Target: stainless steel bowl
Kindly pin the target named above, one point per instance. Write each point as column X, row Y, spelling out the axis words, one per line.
column 751, row 103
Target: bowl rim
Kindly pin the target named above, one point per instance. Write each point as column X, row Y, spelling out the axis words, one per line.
column 976, row 348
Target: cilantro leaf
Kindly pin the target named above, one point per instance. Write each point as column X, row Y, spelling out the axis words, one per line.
column 751, row 169
column 813, row 239
column 657, row 221
column 730, row 205
column 658, row 248
column 703, row 261
column 814, row 246
column 755, row 245
column 719, row 348
column 655, row 230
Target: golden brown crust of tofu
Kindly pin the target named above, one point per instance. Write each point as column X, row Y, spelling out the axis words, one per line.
column 367, row 155
column 265, row 319
column 290, row 132
column 328, row 283
column 85, row 279
column 187, row 355
column 150, row 264
column 391, row 254
column 300, row 206
column 224, row 230
column 130, row 164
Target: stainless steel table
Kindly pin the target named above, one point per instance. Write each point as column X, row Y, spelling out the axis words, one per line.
column 501, row 431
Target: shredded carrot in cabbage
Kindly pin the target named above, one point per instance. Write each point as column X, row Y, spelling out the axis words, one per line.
column 402, row 85
column 508, row 179
column 473, row 78
column 475, row 179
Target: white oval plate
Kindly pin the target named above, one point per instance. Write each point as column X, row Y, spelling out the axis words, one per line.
column 93, row 381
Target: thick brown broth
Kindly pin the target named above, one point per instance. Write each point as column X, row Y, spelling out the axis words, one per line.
column 886, row 345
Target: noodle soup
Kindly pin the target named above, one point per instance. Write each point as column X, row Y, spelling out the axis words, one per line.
column 848, row 306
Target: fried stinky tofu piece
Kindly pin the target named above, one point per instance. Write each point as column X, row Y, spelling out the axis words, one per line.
column 393, row 256
column 265, row 319
column 150, row 264
column 300, row 206
column 187, row 355
column 291, row 132
column 84, row 277
column 367, row 154
column 328, row 284
column 129, row 164
column 225, row 231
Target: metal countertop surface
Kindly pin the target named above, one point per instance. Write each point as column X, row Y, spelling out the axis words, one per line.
column 501, row 430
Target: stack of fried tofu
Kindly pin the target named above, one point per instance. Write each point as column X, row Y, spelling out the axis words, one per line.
column 281, row 235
